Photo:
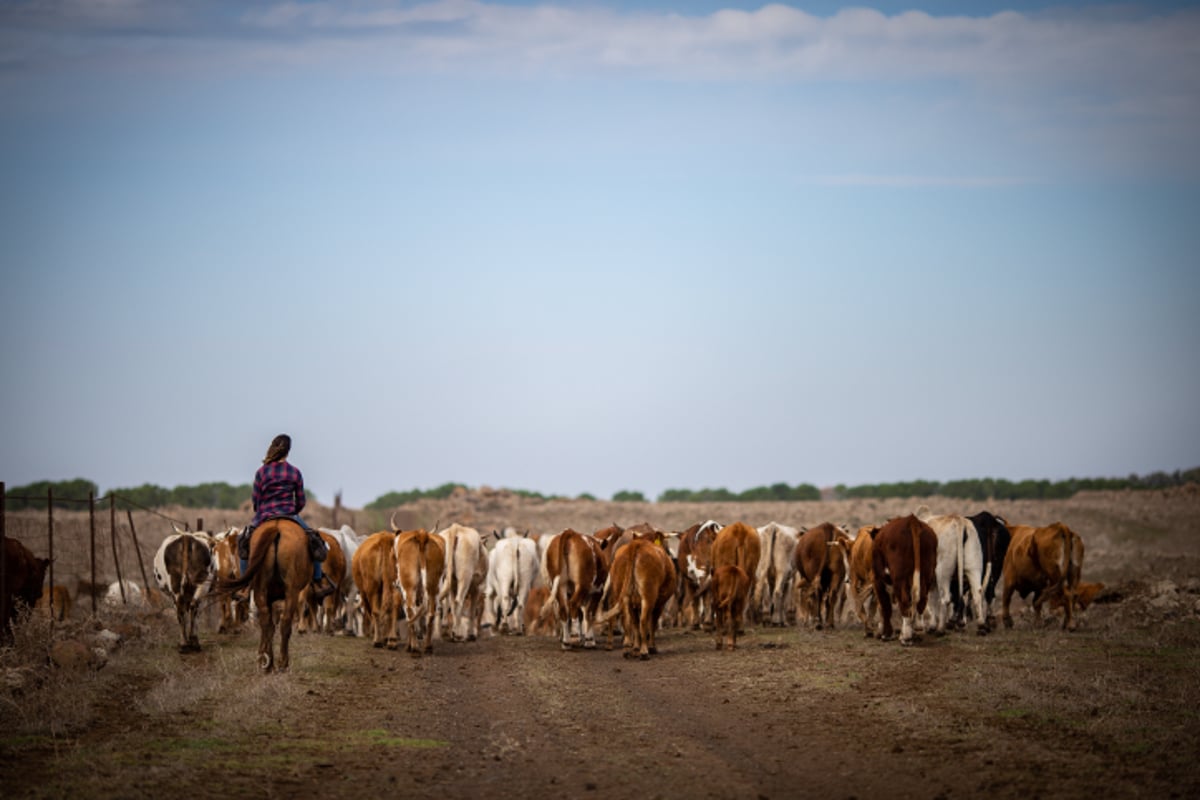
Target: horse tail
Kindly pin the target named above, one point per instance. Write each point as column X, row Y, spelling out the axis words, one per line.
column 260, row 545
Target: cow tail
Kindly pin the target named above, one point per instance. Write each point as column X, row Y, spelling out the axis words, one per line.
column 183, row 575
column 916, row 536
column 962, row 546
column 514, row 587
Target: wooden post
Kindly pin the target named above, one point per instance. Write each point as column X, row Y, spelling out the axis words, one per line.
column 3, row 557
column 199, row 524
column 50, row 528
column 92, row 533
column 337, row 506
column 112, row 531
column 137, row 548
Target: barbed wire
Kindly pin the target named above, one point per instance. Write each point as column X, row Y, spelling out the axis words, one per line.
column 114, row 497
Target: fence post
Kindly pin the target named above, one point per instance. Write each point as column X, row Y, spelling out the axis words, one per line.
column 112, row 532
column 50, row 529
column 3, row 557
column 199, row 524
column 137, row 548
column 92, row 534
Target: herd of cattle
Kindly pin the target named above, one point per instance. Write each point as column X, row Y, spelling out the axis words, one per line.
column 934, row 571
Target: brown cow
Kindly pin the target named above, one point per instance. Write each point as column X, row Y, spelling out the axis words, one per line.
column 822, row 560
column 693, row 565
column 374, row 570
column 862, row 577
column 537, row 599
column 640, row 583
column 904, row 558
column 739, row 545
column 420, row 561
column 24, row 575
column 57, row 600
column 228, row 569
column 578, row 569
column 729, row 589
column 320, row 614
column 1045, row 562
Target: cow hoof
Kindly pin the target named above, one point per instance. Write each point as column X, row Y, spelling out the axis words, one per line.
column 886, row 637
column 644, row 657
column 471, row 638
column 377, row 644
column 1008, row 623
column 627, row 654
column 983, row 630
column 566, row 647
column 589, row 645
column 907, row 642
column 869, row 635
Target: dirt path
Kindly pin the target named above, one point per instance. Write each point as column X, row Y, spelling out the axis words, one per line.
column 1022, row 713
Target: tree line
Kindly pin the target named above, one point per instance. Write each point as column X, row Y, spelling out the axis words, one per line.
column 67, row 494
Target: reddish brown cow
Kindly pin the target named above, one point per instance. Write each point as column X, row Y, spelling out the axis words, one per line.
column 904, row 558
column 228, row 569
column 1045, row 562
column 538, row 597
column 641, row 582
column 319, row 615
column 24, row 575
column 730, row 591
column 374, row 569
column 693, row 565
column 822, row 560
column 420, row 560
column 738, row 545
column 862, row 577
column 577, row 568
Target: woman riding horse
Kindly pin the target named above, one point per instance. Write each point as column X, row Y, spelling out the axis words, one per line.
column 279, row 494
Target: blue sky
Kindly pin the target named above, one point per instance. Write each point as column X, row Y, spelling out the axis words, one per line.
column 592, row 247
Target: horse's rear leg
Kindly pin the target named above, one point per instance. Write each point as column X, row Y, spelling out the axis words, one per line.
column 266, row 639
column 290, row 607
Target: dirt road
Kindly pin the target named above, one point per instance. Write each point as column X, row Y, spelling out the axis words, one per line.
column 794, row 713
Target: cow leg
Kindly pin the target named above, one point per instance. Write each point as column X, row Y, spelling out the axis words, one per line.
column 884, row 598
column 193, row 639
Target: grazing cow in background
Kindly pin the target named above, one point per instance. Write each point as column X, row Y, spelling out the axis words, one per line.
column 959, row 562
column 1085, row 595
column 512, row 568
column 993, row 543
column 904, row 558
column 693, row 563
column 319, row 615
column 24, row 574
column 862, row 577
column 639, row 585
column 775, row 574
column 729, row 588
column 821, row 558
column 374, row 570
column 184, row 569
column 461, row 594
column 55, row 602
column 578, row 569
column 420, row 565
column 1045, row 562
column 131, row 596
column 227, row 568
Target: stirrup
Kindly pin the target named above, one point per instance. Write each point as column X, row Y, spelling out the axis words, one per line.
column 322, row 588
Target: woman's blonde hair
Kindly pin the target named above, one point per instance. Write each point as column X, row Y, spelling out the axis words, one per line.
column 280, row 446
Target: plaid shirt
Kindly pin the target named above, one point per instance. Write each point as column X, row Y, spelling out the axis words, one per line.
column 278, row 492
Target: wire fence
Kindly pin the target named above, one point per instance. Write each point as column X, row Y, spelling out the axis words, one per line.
column 109, row 542
column 95, row 547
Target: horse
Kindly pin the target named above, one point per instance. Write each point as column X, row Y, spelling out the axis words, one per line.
column 279, row 568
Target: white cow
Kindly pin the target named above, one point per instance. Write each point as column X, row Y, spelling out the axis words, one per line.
column 184, row 568
column 461, row 594
column 348, row 612
column 133, row 594
column 512, row 569
column 959, row 558
column 775, row 575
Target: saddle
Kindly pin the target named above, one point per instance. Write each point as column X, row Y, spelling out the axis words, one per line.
column 317, row 549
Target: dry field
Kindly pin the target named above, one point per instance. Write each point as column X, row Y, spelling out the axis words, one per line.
column 1112, row 709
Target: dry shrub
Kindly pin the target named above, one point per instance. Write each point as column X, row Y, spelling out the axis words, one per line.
column 38, row 698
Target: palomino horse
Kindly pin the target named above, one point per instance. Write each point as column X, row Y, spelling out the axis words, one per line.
column 278, row 569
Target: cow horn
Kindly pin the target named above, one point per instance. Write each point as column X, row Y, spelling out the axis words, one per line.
column 435, row 526
column 176, row 527
column 392, row 522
